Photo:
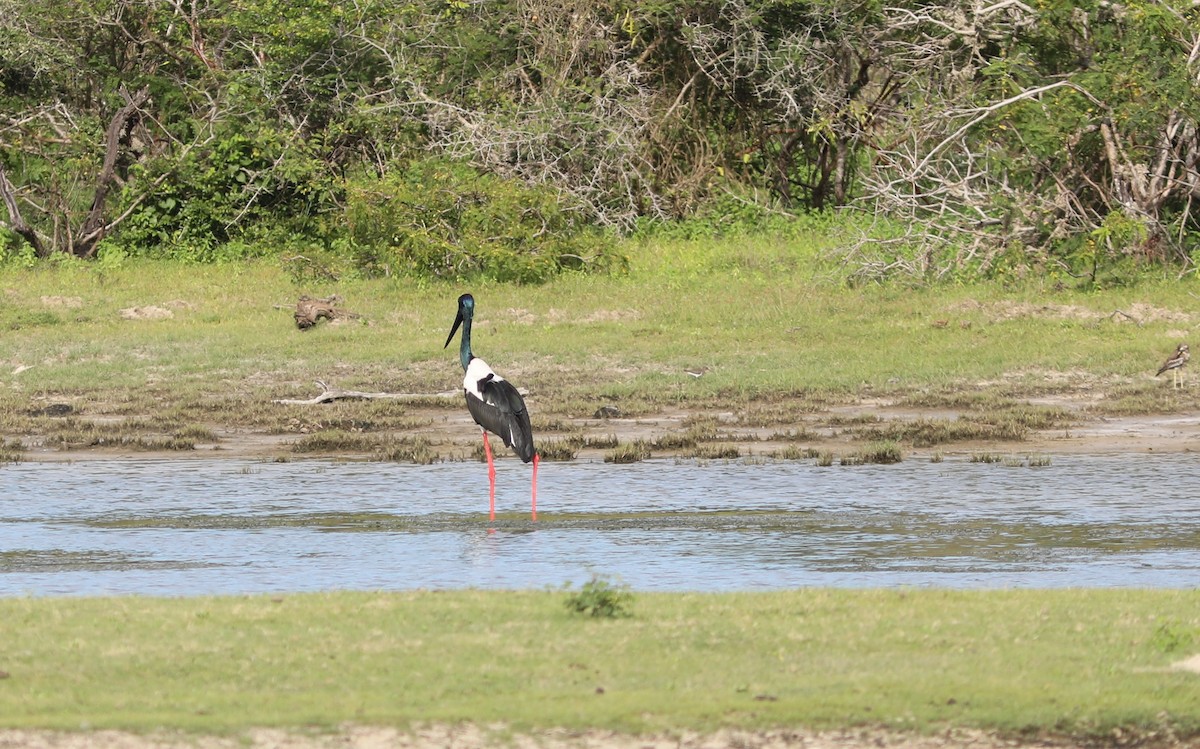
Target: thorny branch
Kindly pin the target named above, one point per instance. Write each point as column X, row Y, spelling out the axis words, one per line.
column 940, row 173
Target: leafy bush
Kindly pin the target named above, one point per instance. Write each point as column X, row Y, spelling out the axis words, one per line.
column 15, row 250
column 443, row 219
column 600, row 599
column 234, row 199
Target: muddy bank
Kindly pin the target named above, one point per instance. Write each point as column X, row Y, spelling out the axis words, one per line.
column 450, row 434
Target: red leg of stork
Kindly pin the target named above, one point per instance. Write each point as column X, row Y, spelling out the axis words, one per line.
column 487, row 449
column 536, row 458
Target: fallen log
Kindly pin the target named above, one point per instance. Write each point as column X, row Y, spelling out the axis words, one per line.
column 329, row 395
column 310, row 311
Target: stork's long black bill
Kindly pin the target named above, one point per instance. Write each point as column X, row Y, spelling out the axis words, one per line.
column 457, row 321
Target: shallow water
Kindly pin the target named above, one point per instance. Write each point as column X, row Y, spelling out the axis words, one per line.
column 197, row 526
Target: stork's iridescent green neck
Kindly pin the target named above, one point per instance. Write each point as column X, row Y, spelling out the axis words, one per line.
column 466, row 311
column 464, row 348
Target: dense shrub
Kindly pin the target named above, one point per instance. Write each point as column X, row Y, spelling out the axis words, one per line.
column 223, row 201
column 600, row 598
column 994, row 139
column 446, row 220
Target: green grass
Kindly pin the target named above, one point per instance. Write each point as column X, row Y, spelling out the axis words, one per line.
column 779, row 341
column 1058, row 662
column 782, row 345
column 883, row 453
column 629, row 452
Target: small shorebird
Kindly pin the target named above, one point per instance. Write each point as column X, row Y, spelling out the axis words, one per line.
column 1175, row 363
column 494, row 403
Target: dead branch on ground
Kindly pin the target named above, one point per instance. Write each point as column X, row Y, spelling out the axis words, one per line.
column 310, row 311
column 329, row 395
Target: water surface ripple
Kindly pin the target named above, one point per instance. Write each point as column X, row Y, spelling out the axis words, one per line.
column 200, row 526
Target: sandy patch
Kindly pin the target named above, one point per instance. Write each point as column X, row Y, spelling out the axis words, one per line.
column 1138, row 313
column 156, row 311
column 523, row 316
column 611, row 315
column 64, row 302
column 149, row 312
column 1190, row 664
column 1149, row 313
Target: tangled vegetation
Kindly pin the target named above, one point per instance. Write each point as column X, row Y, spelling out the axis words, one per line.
column 515, row 139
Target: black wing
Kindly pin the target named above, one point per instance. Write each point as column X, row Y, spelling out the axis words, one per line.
column 502, row 412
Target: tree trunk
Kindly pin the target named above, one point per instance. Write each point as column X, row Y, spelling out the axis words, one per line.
column 8, row 194
column 94, row 226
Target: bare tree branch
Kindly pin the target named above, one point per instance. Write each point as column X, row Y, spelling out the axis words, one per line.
column 8, row 194
column 93, row 226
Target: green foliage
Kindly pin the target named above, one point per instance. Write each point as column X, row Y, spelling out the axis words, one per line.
column 240, row 197
column 736, row 212
column 269, row 124
column 15, row 250
column 600, row 598
column 1133, row 83
column 443, row 219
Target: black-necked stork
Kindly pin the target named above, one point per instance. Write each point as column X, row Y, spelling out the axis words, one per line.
column 1175, row 363
column 494, row 403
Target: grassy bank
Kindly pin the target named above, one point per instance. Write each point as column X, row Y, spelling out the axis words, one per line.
column 173, row 353
column 1067, row 662
column 160, row 356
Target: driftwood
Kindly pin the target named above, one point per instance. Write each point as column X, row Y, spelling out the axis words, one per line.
column 8, row 193
column 1126, row 315
column 329, row 395
column 310, row 311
